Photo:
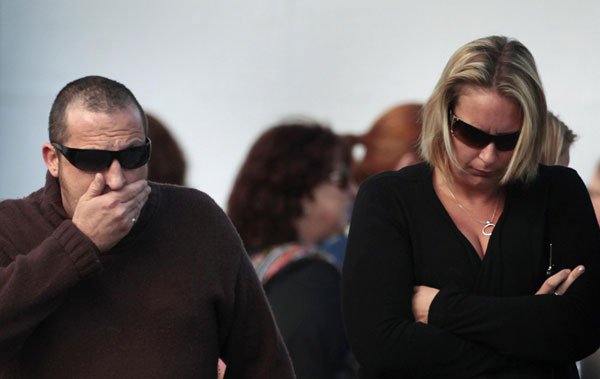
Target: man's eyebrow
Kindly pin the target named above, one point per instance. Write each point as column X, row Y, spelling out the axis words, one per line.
column 136, row 143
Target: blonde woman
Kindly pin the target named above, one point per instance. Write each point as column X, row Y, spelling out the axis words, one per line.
column 477, row 263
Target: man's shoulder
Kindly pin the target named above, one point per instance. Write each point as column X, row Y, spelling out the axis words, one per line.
column 187, row 203
column 16, row 219
column 181, row 195
column 13, row 207
column 190, row 215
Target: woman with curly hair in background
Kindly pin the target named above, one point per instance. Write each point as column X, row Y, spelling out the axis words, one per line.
column 292, row 193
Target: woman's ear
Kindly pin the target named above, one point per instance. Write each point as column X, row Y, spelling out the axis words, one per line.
column 51, row 158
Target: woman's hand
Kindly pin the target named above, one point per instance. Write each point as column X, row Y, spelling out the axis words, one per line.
column 558, row 283
column 421, row 301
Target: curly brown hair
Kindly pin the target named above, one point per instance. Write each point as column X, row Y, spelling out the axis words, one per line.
column 283, row 166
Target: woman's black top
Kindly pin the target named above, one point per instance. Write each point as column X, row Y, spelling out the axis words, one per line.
column 485, row 322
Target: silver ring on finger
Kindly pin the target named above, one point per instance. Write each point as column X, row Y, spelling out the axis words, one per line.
column 556, row 293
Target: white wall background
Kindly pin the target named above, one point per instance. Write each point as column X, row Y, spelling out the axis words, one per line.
column 219, row 72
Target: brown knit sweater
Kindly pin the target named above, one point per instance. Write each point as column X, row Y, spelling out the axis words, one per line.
column 170, row 298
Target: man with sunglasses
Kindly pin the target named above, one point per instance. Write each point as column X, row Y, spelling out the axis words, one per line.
column 103, row 274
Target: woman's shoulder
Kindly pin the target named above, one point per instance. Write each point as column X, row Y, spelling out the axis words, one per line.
column 552, row 180
column 409, row 181
column 554, row 172
column 418, row 173
column 558, row 177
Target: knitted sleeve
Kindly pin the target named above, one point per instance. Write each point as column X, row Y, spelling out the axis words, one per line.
column 32, row 282
column 250, row 343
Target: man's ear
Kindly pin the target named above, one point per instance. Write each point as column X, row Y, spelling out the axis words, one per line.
column 51, row 158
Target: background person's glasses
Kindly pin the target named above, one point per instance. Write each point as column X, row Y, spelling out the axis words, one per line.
column 340, row 177
column 99, row 160
column 478, row 139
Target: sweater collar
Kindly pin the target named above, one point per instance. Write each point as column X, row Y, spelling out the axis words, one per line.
column 52, row 200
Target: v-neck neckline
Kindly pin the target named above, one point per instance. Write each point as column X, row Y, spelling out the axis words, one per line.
column 492, row 243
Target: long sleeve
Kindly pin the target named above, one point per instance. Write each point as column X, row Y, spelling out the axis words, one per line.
column 254, row 348
column 551, row 328
column 378, row 282
column 32, row 282
column 251, row 345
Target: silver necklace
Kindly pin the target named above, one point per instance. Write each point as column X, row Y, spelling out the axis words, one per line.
column 486, row 224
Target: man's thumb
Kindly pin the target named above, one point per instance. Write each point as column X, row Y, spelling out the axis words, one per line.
column 97, row 186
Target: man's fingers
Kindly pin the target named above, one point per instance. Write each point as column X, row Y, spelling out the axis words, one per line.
column 133, row 191
column 142, row 197
column 576, row 273
column 133, row 206
column 138, row 199
column 96, row 186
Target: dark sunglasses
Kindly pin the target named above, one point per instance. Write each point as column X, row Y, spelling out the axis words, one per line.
column 478, row 139
column 340, row 177
column 99, row 160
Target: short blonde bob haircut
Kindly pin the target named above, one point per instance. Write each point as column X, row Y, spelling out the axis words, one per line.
column 506, row 66
column 558, row 139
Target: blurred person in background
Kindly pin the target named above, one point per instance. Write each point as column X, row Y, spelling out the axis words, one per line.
column 292, row 192
column 167, row 162
column 594, row 189
column 390, row 144
column 559, row 139
column 590, row 366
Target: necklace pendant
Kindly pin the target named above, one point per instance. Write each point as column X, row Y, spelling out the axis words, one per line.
column 488, row 224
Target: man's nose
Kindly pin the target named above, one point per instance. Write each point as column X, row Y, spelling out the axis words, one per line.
column 114, row 176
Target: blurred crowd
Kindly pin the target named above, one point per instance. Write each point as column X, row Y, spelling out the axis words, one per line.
column 447, row 240
column 291, row 203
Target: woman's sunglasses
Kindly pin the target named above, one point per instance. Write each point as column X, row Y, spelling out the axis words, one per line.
column 99, row 160
column 475, row 138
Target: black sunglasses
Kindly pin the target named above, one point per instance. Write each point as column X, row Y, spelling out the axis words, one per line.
column 100, row 160
column 478, row 139
column 340, row 177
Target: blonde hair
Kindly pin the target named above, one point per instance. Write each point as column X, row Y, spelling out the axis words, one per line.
column 506, row 66
column 558, row 138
